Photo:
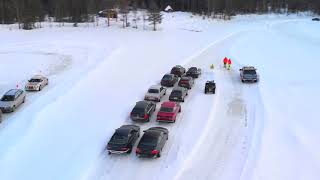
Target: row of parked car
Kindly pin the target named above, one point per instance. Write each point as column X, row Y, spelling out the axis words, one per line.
column 154, row 139
column 13, row 98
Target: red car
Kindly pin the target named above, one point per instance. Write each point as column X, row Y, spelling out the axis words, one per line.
column 168, row 112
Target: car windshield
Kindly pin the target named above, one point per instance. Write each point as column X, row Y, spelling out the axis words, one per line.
column 193, row 69
column 166, row 109
column 7, row 98
column 249, row 72
column 138, row 111
column 167, row 77
column 119, row 138
column 156, row 91
column 148, row 141
column 176, row 93
column 35, row 80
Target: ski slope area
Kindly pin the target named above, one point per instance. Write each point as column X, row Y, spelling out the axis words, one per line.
column 245, row 131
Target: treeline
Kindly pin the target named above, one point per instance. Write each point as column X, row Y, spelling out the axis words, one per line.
column 27, row 12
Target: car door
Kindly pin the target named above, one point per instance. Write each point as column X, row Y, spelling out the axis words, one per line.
column 17, row 99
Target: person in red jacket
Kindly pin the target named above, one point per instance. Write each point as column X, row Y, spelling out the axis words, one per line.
column 225, row 61
column 229, row 64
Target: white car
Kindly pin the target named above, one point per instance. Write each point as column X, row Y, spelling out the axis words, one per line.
column 36, row 83
column 155, row 93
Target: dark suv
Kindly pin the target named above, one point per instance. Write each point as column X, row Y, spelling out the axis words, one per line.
column 249, row 74
column 178, row 70
column 194, row 72
column 169, row 80
column 142, row 111
column 186, row 82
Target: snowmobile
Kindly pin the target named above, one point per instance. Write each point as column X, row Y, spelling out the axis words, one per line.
column 210, row 87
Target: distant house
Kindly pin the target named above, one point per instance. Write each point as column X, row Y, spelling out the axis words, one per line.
column 168, row 9
column 111, row 13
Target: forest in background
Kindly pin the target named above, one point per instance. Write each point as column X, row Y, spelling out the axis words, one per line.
column 28, row 12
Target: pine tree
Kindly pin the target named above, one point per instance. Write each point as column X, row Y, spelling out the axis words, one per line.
column 154, row 15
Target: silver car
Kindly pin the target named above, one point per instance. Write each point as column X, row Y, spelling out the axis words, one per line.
column 155, row 93
column 36, row 83
column 12, row 100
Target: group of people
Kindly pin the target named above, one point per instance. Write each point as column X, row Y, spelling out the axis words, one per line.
column 227, row 63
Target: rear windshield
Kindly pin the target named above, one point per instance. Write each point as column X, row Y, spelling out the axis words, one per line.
column 153, row 91
column 251, row 72
column 176, row 93
column 166, row 109
column 7, row 98
column 119, row 138
column 167, row 77
column 138, row 111
column 35, row 80
column 148, row 141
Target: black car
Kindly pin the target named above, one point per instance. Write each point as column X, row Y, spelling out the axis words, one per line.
column 316, row 19
column 169, row 80
column 186, row 82
column 142, row 111
column 178, row 70
column 210, row 87
column 178, row 94
column 123, row 139
column 152, row 142
column 194, row 72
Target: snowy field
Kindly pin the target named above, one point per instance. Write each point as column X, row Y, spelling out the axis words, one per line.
column 264, row 131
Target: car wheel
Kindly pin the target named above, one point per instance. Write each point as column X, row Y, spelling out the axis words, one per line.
column 109, row 152
column 242, row 80
column 24, row 99
column 158, row 155
column 182, row 100
column 130, row 150
column 13, row 108
column 40, row 87
column 180, row 110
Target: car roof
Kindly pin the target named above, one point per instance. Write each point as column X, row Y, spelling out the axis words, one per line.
column 37, row 77
column 155, row 87
column 142, row 104
column 249, row 68
column 177, row 88
column 168, row 104
column 12, row 92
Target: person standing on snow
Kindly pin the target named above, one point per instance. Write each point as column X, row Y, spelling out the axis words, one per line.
column 229, row 64
column 225, row 61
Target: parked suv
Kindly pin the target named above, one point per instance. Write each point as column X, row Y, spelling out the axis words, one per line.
column 12, row 100
column 169, row 80
column 186, row 82
column 249, row 74
column 36, row 83
column 178, row 70
column 142, row 111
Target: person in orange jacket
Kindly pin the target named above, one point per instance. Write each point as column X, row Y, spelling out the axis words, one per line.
column 229, row 64
column 225, row 61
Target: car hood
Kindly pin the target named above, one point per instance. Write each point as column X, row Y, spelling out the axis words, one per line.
column 152, row 95
column 6, row 103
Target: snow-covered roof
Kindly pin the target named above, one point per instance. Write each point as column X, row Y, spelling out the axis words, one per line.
column 168, row 8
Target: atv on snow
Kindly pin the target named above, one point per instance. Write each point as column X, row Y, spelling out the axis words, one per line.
column 210, row 87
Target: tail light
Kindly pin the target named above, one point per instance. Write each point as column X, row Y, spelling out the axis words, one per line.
column 138, row 150
column 146, row 116
column 154, row 152
column 124, row 149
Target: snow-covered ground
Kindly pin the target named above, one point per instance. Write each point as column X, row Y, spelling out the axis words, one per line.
column 245, row 131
